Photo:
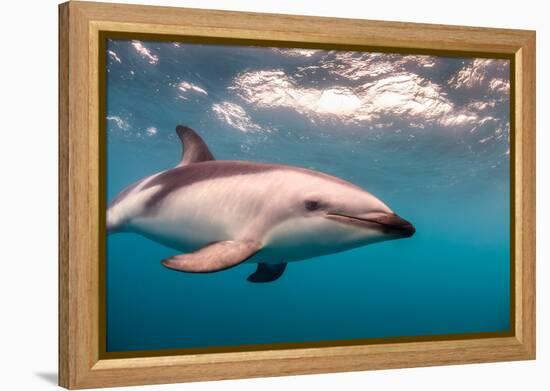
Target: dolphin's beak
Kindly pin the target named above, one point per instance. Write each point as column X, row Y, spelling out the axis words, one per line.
column 389, row 223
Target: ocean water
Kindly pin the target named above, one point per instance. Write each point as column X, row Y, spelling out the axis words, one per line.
column 427, row 135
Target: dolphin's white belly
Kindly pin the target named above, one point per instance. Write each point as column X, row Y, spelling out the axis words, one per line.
column 298, row 239
column 205, row 212
column 184, row 229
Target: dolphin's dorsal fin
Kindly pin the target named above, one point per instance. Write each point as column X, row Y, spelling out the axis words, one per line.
column 194, row 149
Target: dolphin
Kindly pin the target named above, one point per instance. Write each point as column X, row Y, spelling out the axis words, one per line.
column 221, row 213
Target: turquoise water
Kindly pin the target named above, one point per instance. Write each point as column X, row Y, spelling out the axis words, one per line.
column 411, row 130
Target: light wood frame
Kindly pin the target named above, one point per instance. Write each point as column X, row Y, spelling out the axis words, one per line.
column 80, row 24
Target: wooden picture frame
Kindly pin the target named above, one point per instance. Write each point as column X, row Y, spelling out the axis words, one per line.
column 81, row 364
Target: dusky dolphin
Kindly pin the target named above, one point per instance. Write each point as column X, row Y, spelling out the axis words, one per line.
column 221, row 213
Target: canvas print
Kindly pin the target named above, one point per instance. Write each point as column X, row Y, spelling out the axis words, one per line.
column 271, row 196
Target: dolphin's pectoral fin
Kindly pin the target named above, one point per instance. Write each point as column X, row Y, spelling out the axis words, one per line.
column 195, row 149
column 267, row 272
column 213, row 257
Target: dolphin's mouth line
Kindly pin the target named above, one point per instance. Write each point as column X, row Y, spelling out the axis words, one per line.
column 392, row 223
column 338, row 216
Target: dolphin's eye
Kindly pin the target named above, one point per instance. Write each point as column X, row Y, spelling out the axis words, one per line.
column 312, row 205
